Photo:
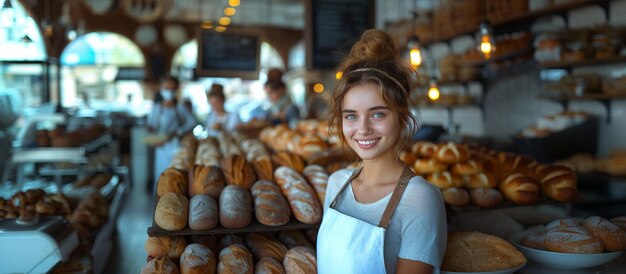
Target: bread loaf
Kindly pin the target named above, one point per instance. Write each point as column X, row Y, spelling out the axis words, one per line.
column 197, row 259
column 445, row 179
column 203, row 212
column 230, row 239
column 171, row 247
column 263, row 245
column 238, row 171
column 207, row 180
column 456, row 196
column 172, row 180
column 171, row 211
column 429, row 166
column 424, row 149
column 451, row 153
column 300, row 260
column 310, row 144
column 288, row 159
column 293, row 238
column 485, row 197
column 160, row 265
column 535, row 240
column 479, row 252
column 480, row 180
column 574, row 239
column 620, row 221
column 520, row 189
column 613, row 238
column 564, row 223
column 270, row 206
column 235, row 207
column 263, row 168
column 210, row 241
column 301, row 196
column 269, row 265
column 469, row 167
column 317, row 176
column 559, row 183
column 235, row 259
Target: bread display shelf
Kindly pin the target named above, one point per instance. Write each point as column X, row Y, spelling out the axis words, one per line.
column 582, row 63
column 156, row 231
column 60, row 154
column 103, row 244
column 603, row 98
column 504, row 204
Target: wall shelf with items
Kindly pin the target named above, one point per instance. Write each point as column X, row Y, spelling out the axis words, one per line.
column 582, row 63
column 604, row 99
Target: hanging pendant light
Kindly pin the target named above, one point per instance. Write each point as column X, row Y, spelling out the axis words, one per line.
column 7, row 14
column 415, row 52
column 433, row 90
column 486, row 44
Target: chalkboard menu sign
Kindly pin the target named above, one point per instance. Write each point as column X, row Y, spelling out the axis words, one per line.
column 333, row 28
column 228, row 54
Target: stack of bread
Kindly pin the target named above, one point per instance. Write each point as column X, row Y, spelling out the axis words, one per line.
column 185, row 157
column 594, row 234
column 33, row 203
column 484, row 177
column 283, row 252
column 479, row 252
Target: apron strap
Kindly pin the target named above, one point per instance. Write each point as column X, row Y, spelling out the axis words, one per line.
column 407, row 174
column 354, row 174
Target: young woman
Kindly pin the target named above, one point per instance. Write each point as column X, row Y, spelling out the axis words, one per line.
column 380, row 218
column 218, row 119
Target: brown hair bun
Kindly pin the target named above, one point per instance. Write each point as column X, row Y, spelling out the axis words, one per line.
column 374, row 45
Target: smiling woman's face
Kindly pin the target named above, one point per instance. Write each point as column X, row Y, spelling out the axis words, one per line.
column 369, row 125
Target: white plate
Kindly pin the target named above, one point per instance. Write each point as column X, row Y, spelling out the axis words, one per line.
column 501, row 271
column 562, row 260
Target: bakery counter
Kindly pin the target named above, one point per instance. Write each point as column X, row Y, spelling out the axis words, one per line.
column 617, row 266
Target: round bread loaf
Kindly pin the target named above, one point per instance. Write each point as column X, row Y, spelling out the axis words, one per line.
column 620, row 221
column 269, row 265
column 171, row 247
column 479, row 252
column 407, row 157
column 480, row 180
column 203, row 212
column 197, row 259
column 172, row 180
column 445, row 179
column 520, row 189
column 564, row 223
column 424, row 149
column 575, row 239
column 235, row 259
column 300, row 260
column 469, row 167
column 270, row 206
column 263, row 245
column 207, row 180
column 429, row 166
column 235, row 207
column 535, row 240
column 456, row 196
column 451, row 153
column 559, row 183
column 171, row 211
column 160, row 265
column 613, row 238
column 485, row 197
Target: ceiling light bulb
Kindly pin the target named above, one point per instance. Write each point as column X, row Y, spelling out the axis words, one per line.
column 433, row 91
column 220, row 29
column 230, row 11
column 224, row 21
column 318, row 87
column 338, row 75
column 233, row 3
column 208, row 24
column 416, row 57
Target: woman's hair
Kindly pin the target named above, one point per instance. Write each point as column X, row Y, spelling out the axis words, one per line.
column 374, row 60
column 217, row 91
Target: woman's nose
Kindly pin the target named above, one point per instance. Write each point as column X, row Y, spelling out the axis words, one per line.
column 364, row 126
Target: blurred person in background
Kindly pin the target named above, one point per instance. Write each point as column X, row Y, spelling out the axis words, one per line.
column 218, row 118
column 279, row 108
column 170, row 120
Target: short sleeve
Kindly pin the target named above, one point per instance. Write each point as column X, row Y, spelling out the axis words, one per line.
column 335, row 181
column 423, row 235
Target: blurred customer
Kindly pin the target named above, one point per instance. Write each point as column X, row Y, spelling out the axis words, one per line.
column 279, row 108
column 218, row 119
column 170, row 121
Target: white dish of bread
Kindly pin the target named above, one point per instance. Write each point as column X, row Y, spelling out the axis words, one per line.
column 562, row 260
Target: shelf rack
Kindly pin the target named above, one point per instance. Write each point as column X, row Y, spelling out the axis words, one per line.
column 604, row 99
column 255, row 226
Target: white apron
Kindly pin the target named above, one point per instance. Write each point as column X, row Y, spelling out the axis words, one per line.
column 348, row 245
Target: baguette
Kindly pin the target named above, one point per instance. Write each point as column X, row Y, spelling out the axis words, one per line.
column 302, row 198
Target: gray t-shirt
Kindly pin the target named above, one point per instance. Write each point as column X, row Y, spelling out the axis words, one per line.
column 418, row 228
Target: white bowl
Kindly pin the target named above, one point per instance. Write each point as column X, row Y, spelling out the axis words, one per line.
column 562, row 260
column 501, row 271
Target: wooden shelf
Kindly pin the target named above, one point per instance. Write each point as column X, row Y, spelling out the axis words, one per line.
column 156, row 231
column 582, row 63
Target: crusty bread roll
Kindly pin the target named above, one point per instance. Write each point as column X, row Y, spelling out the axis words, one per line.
column 207, row 180
column 235, row 207
column 263, row 245
column 456, row 196
column 235, row 259
column 293, row 238
column 288, row 159
column 269, row 265
column 520, row 189
column 574, row 239
column 469, row 167
column 263, row 168
column 445, row 179
column 407, row 157
column 429, row 166
column 160, row 265
column 451, row 153
column 564, row 223
column 238, row 171
column 197, row 259
column 203, row 212
column 302, row 198
column 559, row 183
column 535, row 240
column 620, row 221
column 481, row 180
column 612, row 236
column 171, row 211
column 485, row 197
column 511, row 163
column 479, row 252
column 172, row 180
column 270, row 206
column 424, row 149
column 300, row 260
column 317, row 176
column 310, row 144
column 171, row 247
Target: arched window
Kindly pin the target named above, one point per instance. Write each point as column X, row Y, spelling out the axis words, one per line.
column 14, row 44
column 103, row 70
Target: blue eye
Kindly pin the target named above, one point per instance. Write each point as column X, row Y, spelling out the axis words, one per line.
column 350, row 117
column 378, row 115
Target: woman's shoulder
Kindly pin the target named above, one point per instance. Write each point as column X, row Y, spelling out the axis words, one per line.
column 419, row 190
column 341, row 175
